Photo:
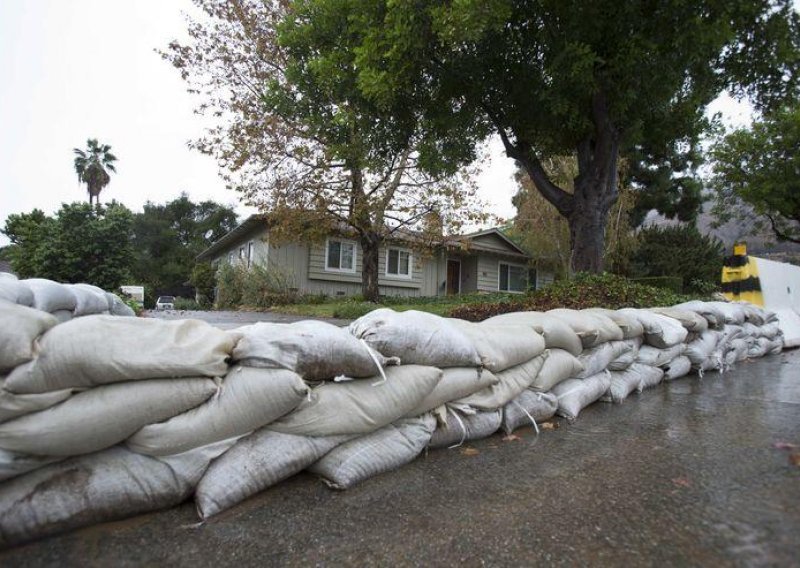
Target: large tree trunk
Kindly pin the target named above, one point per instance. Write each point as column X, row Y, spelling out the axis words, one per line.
column 370, row 247
column 587, row 223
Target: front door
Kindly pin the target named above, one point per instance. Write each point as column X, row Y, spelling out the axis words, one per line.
column 453, row 277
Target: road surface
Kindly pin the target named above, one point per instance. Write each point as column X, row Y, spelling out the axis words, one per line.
column 692, row 473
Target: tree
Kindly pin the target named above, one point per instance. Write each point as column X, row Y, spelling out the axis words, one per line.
column 92, row 166
column 168, row 237
column 761, row 166
column 300, row 140
column 81, row 243
column 596, row 80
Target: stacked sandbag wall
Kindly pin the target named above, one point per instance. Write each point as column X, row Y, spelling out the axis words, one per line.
column 136, row 414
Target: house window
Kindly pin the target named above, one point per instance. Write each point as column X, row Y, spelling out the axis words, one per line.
column 249, row 254
column 340, row 256
column 230, row 257
column 398, row 262
column 241, row 253
column 512, row 278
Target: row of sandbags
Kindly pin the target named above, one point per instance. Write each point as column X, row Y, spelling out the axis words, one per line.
column 62, row 301
column 139, row 414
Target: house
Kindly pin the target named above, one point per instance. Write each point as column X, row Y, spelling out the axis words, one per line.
column 485, row 261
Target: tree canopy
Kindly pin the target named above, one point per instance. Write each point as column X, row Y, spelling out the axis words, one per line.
column 760, row 166
column 92, row 166
column 596, row 80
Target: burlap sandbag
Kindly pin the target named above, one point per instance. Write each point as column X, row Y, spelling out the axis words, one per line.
column 97, row 350
column 502, row 346
column 313, row 349
column 527, row 407
column 255, row 463
column 576, row 394
column 556, row 333
column 248, row 399
column 387, row 449
column 20, row 328
column 101, row 417
column 360, row 406
column 510, row 383
column 456, row 383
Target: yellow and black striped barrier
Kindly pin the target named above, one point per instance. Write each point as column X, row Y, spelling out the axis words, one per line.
column 740, row 280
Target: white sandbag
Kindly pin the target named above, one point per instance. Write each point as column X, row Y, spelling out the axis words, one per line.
column 255, row 463
column 754, row 314
column 101, row 417
column 775, row 346
column 106, row 486
column 527, row 407
column 15, row 291
column 50, row 296
column 714, row 317
column 702, row 348
column 689, row 319
column 13, row 405
column 117, row 307
column 97, row 350
column 456, row 382
column 62, row 316
column 623, row 383
column 315, row 350
column 628, row 356
column 387, row 449
column 677, row 368
column 740, row 348
column 651, row 376
column 462, row 427
column 360, row 407
column 416, row 338
column 89, row 300
column 655, row 357
column 559, row 366
column 731, row 332
column 597, row 359
column 759, row 348
column 20, row 328
column 593, row 329
column 556, row 333
column 659, row 331
column 501, row 347
column 734, row 312
column 510, row 383
column 248, row 399
column 576, row 394
column 630, row 326
column 13, row 464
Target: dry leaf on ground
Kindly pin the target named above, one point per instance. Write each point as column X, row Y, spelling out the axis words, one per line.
column 470, row 452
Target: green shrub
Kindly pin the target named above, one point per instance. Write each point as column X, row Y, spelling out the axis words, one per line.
column 188, row 304
column 674, row 283
column 257, row 287
column 204, row 280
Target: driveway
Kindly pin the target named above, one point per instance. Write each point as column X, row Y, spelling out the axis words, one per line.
column 696, row 472
column 230, row 319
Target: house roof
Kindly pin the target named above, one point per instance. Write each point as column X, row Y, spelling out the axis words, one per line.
column 452, row 241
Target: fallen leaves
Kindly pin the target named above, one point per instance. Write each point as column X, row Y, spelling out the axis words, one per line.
column 470, row 452
column 794, row 458
column 549, row 425
column 784, row 446
column 681, row 482
column 511, row 438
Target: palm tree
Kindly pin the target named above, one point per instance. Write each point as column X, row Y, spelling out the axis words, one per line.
column 93, row 165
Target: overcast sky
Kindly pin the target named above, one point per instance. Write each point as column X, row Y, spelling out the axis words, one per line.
column 87, row 68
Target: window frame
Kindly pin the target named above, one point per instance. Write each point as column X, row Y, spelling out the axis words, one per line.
column 249, row 253
column 524, row 267
column 355, row 256
column 399, row 275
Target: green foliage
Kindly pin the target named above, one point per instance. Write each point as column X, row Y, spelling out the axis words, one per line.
column 81, row 243
column 673, row 283
column 204, row 280
column 92, row 166
column 583, row 291
column 133, row 304
column 188, row 304
column 258, row 287
column 761, row 166
column 679, row 252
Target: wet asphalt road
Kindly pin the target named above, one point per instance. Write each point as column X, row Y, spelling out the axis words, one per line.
column 686, row 474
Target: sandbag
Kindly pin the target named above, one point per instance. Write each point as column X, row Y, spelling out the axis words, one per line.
column 689, row 319
column 501, row 347
column 62, row 316
column 249, row 399
column 89, row 300
column 255, row 463
column 592, row 328
column 703, row 347
column 539, row 406
column 623, row 383
column 754, row 314
column 659, row 331
column 759, row 348
column 677, row 368
column 13, row 405
column 628, row 356
column 20, row 328
column 597, row 359
column 13, row 464
column 101, row 417
column 740, row 348
column 117, row 307
column 15, row 291
column 313, row 349
column 106, row 486
column 385, row 450
column 456, row 382
column 510, row 383
column 576, row 394
column 559, row 366
column 462, row 427
column 651, row 376
column 734, row 312
column 416, row 338
column 714, row 317
column 630, row 326
column 556, row 333
column 655, row 357
column 360, row 407
column 97, row 350
column 50, row 296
